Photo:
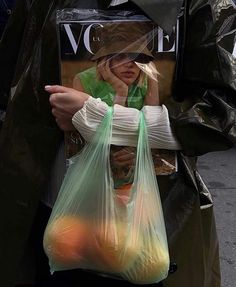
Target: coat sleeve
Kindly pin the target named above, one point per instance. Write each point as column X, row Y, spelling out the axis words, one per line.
column 205, row 84
column 206, row 124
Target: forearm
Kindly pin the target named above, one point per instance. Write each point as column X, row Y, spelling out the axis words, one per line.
column 121, row 94
column 152, row 96
column 126, row 124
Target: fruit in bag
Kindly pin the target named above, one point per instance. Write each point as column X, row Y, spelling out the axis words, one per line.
column 151, row 266
column 114, row 251
column 65, row 240
column 123, row 194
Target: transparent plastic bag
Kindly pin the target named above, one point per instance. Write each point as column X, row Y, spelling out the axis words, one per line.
column 90, row 228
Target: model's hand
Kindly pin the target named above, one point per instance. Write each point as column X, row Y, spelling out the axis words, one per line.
column 124, row 157
column 152, row 96
column 118, row 85
column 65, row 103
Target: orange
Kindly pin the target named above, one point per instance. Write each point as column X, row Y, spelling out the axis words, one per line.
column 65, row 240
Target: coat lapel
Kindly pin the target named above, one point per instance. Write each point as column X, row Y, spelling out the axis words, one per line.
column 163, row 12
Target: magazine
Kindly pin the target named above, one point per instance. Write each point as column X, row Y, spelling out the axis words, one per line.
column 86, row 36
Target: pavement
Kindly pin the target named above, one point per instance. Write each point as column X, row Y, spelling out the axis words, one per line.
column 218, row 170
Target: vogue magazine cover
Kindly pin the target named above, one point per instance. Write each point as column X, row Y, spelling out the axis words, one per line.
column 90, row 40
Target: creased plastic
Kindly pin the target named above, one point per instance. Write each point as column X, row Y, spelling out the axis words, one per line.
column 119, row 232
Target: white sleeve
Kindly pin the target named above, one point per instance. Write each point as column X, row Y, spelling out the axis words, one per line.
column 126, row 123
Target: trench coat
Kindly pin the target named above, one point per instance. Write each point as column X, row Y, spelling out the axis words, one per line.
column 202, row 113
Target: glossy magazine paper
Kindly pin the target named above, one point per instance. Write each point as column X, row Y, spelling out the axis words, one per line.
column 82, row 34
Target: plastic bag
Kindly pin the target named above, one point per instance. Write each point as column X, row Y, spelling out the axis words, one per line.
column 92, row 228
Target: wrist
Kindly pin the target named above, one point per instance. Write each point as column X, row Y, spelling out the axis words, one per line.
column 120, row 100
column 152, row 96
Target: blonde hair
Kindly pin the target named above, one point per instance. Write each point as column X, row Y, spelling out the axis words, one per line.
column 140, row 80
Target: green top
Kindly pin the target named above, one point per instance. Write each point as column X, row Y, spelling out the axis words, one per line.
column 104, row 91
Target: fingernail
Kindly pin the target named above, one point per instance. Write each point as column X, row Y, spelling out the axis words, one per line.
column 47, row 87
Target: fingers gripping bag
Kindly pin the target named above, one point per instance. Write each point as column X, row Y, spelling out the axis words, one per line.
column 89, row 229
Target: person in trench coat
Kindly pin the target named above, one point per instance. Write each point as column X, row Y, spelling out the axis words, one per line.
column 202, row 114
